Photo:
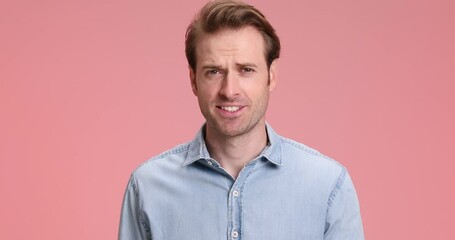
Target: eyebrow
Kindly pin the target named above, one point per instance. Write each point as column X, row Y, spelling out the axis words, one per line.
column 246, row 65
column 213, row 66
column 209, row 66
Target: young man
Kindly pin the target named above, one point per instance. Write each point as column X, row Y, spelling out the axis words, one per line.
column 238, row 179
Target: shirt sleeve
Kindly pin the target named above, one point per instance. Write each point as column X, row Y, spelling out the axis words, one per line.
column 132, row 223
column 343, row 215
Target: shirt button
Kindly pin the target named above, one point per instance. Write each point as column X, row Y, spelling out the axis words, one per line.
column 235, row 193
column 235, row 234
column 209, row 163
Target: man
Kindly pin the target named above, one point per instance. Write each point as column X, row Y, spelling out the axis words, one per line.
column 238, row 179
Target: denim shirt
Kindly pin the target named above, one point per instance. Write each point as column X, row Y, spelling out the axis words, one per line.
column 289, row 192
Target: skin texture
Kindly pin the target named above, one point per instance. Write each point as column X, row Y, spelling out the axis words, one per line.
column 232, row 72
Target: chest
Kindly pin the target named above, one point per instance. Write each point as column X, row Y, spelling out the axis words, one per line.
column 259, row 204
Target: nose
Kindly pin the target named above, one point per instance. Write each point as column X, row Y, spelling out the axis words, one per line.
column 229, row 87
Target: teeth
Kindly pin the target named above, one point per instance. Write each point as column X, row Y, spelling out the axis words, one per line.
column 230, row 109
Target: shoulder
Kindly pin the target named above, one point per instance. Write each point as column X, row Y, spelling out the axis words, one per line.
column 301, row 156
column 166, row 161
column 293, row 147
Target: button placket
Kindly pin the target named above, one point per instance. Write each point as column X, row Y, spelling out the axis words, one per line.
column 235, row 203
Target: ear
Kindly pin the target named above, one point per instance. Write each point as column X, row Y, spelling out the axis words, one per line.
column 193, row 80
column 273, row 70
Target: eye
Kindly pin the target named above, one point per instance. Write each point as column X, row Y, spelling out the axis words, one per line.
column 212, row 72
column 248, row 70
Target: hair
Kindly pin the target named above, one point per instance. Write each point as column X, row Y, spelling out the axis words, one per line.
column 230, row 14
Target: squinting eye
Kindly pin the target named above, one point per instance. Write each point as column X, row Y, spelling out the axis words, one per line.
column 212, row 72
column 248, row 70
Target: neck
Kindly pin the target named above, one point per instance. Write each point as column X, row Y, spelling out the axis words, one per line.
column 234, row 152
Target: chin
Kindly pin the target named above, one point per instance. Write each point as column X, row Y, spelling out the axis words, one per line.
column 233, row 130
column 232, row 133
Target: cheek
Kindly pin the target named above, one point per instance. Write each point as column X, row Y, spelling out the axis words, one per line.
column 205, row 95
column 256, row 89
column 207, row 90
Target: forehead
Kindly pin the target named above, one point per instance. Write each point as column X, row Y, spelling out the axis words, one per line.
column 246, row 43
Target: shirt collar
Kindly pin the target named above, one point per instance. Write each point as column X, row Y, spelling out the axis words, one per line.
column 198, row 149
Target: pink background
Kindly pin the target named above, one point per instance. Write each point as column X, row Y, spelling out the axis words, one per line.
column 90, row 89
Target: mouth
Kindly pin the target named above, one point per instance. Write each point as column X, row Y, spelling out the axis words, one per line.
column 231, row 108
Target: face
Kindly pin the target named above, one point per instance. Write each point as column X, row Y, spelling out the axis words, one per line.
column 232, row 81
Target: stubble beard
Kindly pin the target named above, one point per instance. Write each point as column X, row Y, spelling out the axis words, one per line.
column 227, row 128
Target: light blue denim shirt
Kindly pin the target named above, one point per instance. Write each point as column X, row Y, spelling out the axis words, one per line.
column 289, row 192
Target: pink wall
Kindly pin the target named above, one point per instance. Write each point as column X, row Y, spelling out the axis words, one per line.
column 90, row 89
